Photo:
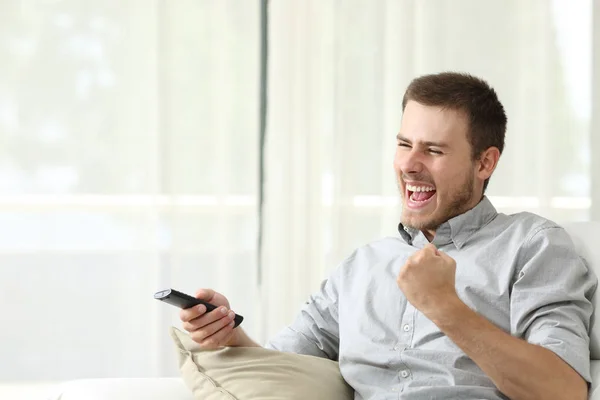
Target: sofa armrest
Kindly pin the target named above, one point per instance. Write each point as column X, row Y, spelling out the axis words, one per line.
column 123, row 389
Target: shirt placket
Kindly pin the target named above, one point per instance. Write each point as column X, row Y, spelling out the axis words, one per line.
column 405, row 341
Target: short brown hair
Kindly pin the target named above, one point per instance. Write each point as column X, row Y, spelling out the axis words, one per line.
column 467, row 93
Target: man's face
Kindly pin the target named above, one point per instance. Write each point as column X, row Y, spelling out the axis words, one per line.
column 436, row 174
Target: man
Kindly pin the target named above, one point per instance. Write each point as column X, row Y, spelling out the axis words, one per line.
column 465, row 303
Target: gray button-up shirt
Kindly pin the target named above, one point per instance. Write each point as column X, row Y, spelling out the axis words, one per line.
column 520, row 271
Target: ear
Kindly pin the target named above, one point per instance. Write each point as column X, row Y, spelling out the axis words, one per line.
column 487, row 162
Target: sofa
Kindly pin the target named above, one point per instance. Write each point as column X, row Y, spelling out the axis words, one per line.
column 584, row 235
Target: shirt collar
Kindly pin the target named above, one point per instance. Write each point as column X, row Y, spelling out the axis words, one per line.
column 458, row 229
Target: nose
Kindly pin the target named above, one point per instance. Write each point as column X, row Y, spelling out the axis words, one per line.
column 408, row 161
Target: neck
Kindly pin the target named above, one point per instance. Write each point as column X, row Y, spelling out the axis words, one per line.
column 429, row 234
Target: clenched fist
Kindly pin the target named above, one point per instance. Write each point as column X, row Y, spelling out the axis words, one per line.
column 427, row 280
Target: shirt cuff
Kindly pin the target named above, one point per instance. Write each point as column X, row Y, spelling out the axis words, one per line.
column 571, row 348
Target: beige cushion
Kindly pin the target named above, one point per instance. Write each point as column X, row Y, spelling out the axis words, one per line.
column 244, row 373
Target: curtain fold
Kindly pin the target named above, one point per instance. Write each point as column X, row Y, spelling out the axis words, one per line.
column 128, row 164
column 337, row 74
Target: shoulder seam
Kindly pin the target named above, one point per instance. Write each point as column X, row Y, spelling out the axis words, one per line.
column 538, row 230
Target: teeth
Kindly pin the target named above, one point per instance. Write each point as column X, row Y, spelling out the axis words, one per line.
column 419, row 188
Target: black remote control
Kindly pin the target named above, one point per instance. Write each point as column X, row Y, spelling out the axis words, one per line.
column 183, row 301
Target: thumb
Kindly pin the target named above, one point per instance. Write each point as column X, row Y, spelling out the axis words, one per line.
column 205, row 294
column 431, row 248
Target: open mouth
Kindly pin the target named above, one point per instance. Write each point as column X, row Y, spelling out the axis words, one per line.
column 419, row 195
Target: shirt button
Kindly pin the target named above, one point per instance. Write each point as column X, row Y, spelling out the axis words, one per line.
column 406, row 328
column 404, row 373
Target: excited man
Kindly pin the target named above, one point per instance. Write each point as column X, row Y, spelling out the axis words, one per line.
column 465, row 303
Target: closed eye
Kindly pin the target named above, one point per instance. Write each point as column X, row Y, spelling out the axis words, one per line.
column 436, row 152
column 403, row 144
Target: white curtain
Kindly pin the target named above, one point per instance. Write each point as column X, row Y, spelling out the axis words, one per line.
column 337, row 73
column 128, row 163
column 129, row 154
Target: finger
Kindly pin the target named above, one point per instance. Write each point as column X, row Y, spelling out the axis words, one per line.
column 192, row 313
column 208, row 318
column 430, row 248
column 220, row 337
column 416, row 257
column 212, row 328
column 205, row 294
column 425, row 252
column 445, row 256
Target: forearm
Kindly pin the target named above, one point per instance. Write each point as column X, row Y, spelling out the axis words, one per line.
column 241, row 339
column 519, row 369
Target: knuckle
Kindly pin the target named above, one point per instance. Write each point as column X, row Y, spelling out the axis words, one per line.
column 401, row 276
column 202, row 333
column 222, row 332
column 195, row 337
column 184, row 316
column 191, row 327
column 216, row 316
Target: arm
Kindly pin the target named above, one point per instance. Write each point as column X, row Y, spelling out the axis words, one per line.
column 519, row 369
column 243, row 340
column 550, row 311
column 315, row 331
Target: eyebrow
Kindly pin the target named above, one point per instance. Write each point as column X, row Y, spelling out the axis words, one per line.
column 401, row 138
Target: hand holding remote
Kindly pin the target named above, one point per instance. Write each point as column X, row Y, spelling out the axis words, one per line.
column 211, row 329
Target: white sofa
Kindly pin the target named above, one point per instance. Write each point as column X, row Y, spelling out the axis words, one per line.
column 585, row 235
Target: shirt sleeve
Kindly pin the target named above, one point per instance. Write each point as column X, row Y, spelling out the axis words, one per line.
column 315, row 331
column 551, row 298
